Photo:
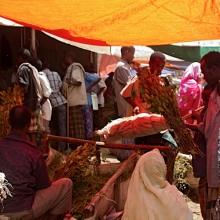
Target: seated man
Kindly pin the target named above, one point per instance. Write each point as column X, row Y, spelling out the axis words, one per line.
column 24, row 166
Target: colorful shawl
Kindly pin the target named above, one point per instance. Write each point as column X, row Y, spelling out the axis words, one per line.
column 189, row 95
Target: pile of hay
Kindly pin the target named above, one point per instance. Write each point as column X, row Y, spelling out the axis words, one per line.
column 80, row 167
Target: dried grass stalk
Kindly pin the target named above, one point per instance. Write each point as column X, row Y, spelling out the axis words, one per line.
column 163, row 100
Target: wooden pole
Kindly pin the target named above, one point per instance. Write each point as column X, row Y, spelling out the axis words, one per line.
column 33, row 43
column 91, row 206
column 67, row 115
column 91, row 57
column 134, row 147
column 189, row 115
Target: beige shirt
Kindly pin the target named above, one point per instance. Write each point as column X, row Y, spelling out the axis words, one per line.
column 76, row 94
column 121, row 77
column 131, row 90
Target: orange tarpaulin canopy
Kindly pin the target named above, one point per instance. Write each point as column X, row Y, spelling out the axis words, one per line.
column 119, row 22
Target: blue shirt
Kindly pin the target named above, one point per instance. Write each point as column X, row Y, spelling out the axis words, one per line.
column 89, row 79
column 56, row 97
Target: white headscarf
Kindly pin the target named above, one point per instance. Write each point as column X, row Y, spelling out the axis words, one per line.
column 150, row 195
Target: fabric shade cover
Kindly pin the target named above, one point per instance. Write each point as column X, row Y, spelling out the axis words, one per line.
column 188, row 53
column 124, row 22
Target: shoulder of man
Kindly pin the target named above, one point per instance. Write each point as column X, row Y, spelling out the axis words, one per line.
column 91, row 77
column 77, row 66
column 120, row 63
column 50, row 72
column 19, row 140
column 41, row 73
column 122, row 66
column 24, row 66
column 29, row 67
column 102, row 84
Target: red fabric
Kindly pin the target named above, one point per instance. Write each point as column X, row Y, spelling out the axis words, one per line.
column 108, row 64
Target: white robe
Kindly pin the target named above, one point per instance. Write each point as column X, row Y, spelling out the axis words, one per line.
column 151, row 196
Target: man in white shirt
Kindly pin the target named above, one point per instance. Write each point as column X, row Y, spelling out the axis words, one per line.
column 46, row 109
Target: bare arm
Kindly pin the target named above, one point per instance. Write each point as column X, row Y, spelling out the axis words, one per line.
column 73, row 82
column 100, row 91
column 92, row 85
column 44, row 99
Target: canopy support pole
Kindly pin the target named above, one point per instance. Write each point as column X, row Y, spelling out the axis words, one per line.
column 33, row 43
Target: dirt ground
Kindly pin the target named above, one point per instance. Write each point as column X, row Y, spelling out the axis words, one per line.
column 191, row 198
column 195, row 209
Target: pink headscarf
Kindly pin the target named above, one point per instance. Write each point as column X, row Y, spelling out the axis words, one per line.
column 189, row 95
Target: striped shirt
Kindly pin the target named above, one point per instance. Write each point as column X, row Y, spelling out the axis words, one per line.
column 56, row 97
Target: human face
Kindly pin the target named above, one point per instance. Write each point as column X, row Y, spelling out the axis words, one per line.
column 211, row 75
column 67, row 60
column 130, row 55
column 63, row 65
column 19, row 60
column 157, row 65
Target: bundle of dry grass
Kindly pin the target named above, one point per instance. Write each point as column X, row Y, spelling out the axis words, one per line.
column 162, row 100
column 77, row 163
column 9, row 99
column 80, row 167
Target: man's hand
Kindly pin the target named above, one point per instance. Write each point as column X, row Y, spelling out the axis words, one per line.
column 196, row 116
column 89, row 90
column 68, row 80
column 136, row 110
column 44, row 99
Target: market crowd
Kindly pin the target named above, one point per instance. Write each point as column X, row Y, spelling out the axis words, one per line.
column 46, row 96
column 51, row 99
column 79, row 95
column 198, row 99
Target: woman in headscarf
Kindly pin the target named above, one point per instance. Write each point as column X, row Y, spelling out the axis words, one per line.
column 150, row 195
column 190, row 91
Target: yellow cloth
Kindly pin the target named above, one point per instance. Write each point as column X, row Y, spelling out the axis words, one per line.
column 124, row 22
column 150, row 196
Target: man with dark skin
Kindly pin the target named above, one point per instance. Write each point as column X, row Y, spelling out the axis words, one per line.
column 24, row 166
column 28, row 78
column 74, row 79
column 131, row 91
column 121, row 77
column 210, row 66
